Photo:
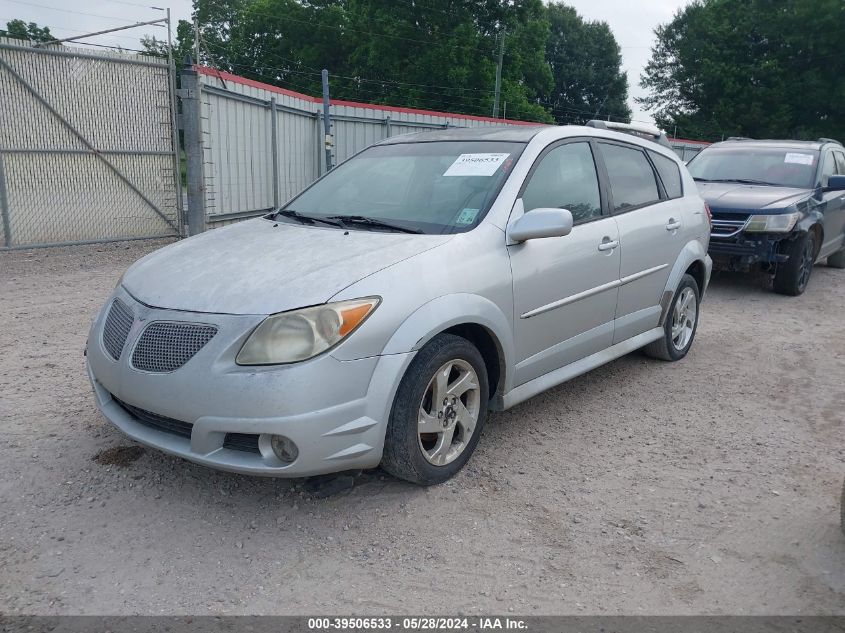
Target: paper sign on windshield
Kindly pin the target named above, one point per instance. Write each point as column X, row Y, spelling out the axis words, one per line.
column 476, row 164
column 798, row 159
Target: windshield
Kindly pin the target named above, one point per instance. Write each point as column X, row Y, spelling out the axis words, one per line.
column 438, row 187
column 784, row 166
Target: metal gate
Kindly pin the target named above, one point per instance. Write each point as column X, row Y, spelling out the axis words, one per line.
column 87, row 147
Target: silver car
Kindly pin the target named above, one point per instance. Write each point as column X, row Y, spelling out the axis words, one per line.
column 377, row 317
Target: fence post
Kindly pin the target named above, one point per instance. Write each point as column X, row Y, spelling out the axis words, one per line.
column 174, row 129
column 4, row 205
column 192, row 125
column 387, row 127
column 274, row 139
column 327, row 120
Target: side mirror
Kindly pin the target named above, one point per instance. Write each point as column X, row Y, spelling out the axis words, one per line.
column 835, row 183
column 539, row 223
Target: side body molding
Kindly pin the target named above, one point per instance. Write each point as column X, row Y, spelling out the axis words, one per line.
column 456, row 309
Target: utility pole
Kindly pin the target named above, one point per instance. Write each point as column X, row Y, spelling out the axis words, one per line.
column 327, row 122
column 196, row 41
column 499, row 74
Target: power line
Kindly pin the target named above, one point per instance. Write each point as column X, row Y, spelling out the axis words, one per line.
column 476, row 104
column 361, row 79
column 69, row 30
column 135, row 4
column 93, row 15
column 344, row 29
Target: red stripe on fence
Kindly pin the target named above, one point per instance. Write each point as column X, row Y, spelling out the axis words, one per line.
column 221, row 74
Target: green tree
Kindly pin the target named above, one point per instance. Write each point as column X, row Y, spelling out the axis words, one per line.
column 526, row 77
column 751, row 68
column 586, row 64
column 20, row 30
column 183, row 47
column 440, row 55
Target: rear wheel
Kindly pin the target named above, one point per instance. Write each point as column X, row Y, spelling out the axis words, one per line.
column 438, row 413
column 681, row 323
column 837, row 260
column 793, row 275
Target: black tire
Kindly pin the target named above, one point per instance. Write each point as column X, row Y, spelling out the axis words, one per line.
column 837, row 260
column 403, row 454
column 664, row 348
column 793, row 275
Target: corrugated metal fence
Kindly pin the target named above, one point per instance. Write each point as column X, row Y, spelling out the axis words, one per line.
column 261, row 145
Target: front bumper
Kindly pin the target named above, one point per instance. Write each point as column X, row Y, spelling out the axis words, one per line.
column 742, row 251
column 335, row 411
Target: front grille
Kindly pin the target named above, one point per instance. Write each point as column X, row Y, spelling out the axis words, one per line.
column 116, row 329
column 246, row 442
column 728, row 224
column 156, row 421
column 165, row 346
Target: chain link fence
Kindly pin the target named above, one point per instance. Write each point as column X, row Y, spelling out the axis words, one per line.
column 87, row 147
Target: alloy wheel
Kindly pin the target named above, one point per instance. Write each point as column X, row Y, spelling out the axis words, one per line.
column 684, row 319
column 806, row 263
column 448, row 413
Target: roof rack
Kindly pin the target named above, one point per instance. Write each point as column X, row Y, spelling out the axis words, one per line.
column 640, row 130
column 739, row 138
column 828, row 140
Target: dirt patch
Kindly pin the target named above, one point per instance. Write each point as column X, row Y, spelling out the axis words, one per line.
column 120, row 456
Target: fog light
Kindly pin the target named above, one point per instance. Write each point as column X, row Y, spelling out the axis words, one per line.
column 284, row 448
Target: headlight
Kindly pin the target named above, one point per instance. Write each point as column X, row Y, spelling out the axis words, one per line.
column 290, row 337
column 781, row 223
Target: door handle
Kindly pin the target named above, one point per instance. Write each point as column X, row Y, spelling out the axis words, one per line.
column 608, row 245
column 673, row 224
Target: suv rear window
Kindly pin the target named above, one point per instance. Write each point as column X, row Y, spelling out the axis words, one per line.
column 670, row 174
column 632, row 180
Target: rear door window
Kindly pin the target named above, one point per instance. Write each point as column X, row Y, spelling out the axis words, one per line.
column 633, row 182
column 670, row 174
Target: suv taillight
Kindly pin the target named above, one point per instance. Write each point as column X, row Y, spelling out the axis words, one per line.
column 709, row 214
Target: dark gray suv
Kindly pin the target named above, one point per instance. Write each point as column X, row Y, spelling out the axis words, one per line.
column 776, row 205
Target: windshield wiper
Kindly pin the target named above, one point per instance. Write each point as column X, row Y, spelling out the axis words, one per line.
column 305, row 219
column 745, row 181
column 362, row 220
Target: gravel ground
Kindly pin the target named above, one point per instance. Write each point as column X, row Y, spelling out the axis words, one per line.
column 706, row 486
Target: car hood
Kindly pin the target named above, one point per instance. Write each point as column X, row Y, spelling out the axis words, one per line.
column 262, row 267
column 725, row 196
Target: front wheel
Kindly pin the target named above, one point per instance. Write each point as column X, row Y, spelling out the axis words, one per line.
column 438, row 413
column 793, row 275
column 681, row 323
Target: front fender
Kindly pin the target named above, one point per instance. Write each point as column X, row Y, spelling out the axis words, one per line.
column 450, row 310
column 812, row 218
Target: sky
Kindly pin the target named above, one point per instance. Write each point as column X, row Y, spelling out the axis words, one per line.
column 632, row 22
